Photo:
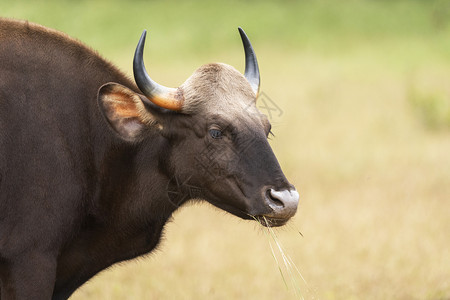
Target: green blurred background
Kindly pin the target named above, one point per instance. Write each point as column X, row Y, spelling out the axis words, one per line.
column 364, row 87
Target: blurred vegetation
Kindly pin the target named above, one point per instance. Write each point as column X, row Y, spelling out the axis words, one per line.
column 364, row 87
column 433, row 108
column 199, row 27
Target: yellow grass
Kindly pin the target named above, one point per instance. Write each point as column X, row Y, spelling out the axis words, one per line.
column 374, row 186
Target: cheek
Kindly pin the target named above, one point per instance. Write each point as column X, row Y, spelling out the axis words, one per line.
column 185, row 153
column 217, row 159
column 202, row 159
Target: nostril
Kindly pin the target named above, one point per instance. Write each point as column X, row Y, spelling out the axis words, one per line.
column 283, row 203
column 273, row 197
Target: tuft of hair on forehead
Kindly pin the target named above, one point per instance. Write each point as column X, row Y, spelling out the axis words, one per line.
column 217, row 86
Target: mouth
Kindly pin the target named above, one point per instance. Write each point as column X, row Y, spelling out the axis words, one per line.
column 274, row 210
column 271, row 221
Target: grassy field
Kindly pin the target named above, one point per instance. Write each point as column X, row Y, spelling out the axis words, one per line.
column 364, row 135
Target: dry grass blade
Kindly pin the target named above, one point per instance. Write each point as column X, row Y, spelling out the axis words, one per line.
column 292, row 226
column 288, row 257
column 276, row 260
column 272, row 251
column 288, row 262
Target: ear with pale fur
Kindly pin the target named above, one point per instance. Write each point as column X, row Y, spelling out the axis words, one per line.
column 124, row 111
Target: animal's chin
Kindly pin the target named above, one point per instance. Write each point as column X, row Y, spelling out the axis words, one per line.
column 271, row 222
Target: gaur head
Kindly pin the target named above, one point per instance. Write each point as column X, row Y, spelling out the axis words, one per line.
column 216, row 139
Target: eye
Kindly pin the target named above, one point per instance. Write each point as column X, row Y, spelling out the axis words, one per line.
column 215, row 133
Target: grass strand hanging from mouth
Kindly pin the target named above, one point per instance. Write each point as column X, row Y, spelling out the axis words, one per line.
column 276, row 260
column 287, row 261
column 289, row 264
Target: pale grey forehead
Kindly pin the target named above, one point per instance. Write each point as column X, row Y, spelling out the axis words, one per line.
column 217, row 87
column 221, row 90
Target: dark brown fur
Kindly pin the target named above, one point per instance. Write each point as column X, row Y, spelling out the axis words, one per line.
column 77, row 197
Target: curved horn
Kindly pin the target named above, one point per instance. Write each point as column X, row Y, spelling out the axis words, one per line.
column 160, row 95
column 251, row 63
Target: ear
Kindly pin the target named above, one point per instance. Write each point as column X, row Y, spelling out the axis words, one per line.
column 124, row 111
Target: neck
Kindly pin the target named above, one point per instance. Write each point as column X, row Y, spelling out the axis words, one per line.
column 129, row 209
